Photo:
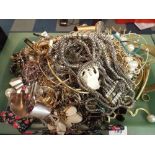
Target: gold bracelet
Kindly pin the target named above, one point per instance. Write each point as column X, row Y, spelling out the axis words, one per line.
column 62, row 82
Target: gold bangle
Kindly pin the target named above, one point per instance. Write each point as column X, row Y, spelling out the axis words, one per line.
column 46, row 75
column 147, row 47
column 62, row 82
column 145, row 79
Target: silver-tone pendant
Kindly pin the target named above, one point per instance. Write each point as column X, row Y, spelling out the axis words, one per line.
column 90, row 76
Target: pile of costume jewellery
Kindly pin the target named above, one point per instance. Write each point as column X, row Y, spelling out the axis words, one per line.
column 75, row 83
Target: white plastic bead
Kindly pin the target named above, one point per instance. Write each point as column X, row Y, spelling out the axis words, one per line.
column 133, row 65
column 131, row 47
column 151, row 118
column 8, row 92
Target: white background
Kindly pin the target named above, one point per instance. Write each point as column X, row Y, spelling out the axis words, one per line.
column 75, row 9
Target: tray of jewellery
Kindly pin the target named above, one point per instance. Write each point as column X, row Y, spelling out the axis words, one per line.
column 83, row 82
